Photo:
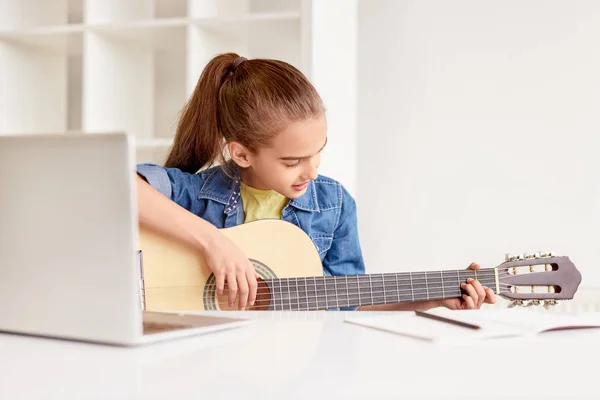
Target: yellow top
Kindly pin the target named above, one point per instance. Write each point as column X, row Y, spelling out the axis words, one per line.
column 261, row 204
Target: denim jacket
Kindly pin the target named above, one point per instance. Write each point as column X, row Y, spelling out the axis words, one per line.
column 326, row 212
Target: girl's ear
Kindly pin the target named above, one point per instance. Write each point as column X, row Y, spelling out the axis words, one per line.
column 239, row 154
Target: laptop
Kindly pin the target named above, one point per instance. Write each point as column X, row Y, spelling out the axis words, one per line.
column 68, row 244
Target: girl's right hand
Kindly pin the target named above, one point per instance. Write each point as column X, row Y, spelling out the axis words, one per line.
column 229, row 263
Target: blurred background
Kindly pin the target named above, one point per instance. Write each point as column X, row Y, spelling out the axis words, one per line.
column 466, row 129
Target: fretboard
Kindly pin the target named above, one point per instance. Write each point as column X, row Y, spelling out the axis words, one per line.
column 330, row 292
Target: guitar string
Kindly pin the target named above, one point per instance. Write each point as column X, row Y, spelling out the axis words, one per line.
column 358, row 278
column 316, row 304
column 487, row 274
column 319, row 299
column 303, row 302
column 488, row 279
column 264, row 287
column 354, row 296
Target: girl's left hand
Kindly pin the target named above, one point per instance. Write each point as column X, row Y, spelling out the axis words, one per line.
column 476, row 295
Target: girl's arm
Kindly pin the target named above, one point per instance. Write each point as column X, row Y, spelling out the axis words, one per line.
column 226, row 260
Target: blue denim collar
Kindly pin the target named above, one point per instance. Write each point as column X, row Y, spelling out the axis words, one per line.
column 224, row 188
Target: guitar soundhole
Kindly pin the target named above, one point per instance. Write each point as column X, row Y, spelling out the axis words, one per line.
column 263, row 293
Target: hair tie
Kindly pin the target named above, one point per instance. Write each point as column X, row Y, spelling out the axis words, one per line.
column 236, row 63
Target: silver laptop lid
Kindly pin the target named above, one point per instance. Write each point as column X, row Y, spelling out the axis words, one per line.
column 68, row 237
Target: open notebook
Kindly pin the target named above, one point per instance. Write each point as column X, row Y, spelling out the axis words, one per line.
column 475, row 324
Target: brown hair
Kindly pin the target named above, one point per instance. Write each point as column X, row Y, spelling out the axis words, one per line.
column 248, row 101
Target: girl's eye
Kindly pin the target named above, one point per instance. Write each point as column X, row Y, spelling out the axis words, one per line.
column 293, row 165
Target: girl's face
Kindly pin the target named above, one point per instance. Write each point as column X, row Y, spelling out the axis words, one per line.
column 290, row 163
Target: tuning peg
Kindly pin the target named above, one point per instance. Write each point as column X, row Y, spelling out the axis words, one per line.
column 529, row 256
column 514, row 257
column 532, row 303
column 550, row 303
column 547, row 254
column 515, row 303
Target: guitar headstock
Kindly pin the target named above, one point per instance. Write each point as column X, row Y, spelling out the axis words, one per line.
column 528, row 279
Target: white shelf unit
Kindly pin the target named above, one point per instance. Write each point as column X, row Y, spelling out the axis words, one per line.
column 130, row 65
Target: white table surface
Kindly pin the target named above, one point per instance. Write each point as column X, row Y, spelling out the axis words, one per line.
column 302, row 355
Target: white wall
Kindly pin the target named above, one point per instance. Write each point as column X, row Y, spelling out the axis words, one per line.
column 479, row 127
column 332, row 69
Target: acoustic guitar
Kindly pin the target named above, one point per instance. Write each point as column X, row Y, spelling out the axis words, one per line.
column 176, row 277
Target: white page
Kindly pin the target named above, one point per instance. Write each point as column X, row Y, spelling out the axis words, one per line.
column 526, row 321
column 494, row 323
column 409, row 324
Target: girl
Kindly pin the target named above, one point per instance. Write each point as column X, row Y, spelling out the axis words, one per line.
column 272, row 122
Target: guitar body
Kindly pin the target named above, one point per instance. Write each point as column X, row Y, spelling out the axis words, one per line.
column 176, row 277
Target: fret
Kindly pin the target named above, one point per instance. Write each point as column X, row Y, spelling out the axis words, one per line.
column 366, row 291
column 276, row 294
column 290, row 299
column 321, row 302
column 404, row 287
column 390, row 287
column 347, row 291
column 377, row 291
column 271, row 288
column 330, row 291
column 442, row 281
column 337, row 304
column 299, row 298
column 310, row 294
column 419, row 286
column 302, row 293
column 412, row 289
column 285, row 294
column 426, row 286
column 296, row 296
column 458, row 280
column 306, row 294
column 293, row 294
column 451, row 287
column 358, row 290
column 435, row 285
column 341, row 285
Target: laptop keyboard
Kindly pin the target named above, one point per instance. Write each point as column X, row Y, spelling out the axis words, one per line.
column 155, row 327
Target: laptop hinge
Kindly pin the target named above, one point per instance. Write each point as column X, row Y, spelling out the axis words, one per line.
column 142, row 285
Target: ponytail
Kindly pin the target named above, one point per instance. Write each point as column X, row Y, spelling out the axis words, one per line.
column 199, row 140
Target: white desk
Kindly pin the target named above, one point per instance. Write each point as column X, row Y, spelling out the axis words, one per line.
column 302, row 355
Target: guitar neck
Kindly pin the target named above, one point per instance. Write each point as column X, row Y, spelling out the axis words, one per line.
column 327, row 292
